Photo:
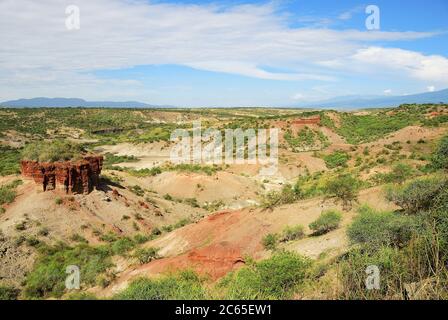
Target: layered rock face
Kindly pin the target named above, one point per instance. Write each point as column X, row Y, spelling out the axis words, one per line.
column 71, row 176
column 315, row 120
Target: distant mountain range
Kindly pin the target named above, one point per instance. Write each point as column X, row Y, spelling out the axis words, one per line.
column 359, row 102
column 75, row 102
column 347, row 102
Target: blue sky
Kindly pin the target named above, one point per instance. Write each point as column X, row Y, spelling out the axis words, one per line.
column 222, row 53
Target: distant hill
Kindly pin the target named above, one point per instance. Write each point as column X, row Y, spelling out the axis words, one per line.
column 357, row 102
column 75, row 102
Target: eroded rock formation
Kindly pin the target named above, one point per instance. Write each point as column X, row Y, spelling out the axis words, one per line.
column 314, row 120
column 79, row 176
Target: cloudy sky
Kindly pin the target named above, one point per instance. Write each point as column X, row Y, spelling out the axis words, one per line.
column 221, row 53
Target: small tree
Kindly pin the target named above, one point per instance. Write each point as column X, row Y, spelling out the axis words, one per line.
column 401, row 172
column 344, row 187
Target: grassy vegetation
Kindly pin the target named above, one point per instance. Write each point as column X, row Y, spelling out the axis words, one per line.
column 399, row 174
column 327, row 221
column 8, row 192
column 9, row 160
column 111, row 159
column 364, row 128
column 56, row 150
column 408, row 247
column 47, row 279
column 439, row 159
column 306, row 139
column 288, row 194
column 377, row 228
column 269, row 241
column 337, row 159
column 179, row 224
column 417, row 195
column 8, row 293
column 275, row 278
column 145, row 255
column 183, row 285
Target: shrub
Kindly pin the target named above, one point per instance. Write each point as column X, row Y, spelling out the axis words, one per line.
column 336, row 159
column 56, row 150
column 273, row 278
column 138, row 190
column 376, row 228
column 417, row 195
column 288, row 194
column 8, row 293
column 345, row 187
column 58, row 200
column 9, row 161
column 393, row 274
column 327, row 221
column 185, row 285
column 292, row 233
column 400, row 172
column 139, row 238
column 122, row 246
column 440, row 157
column 8, row 192
column 76, row 237
column 47, row 279
column 145, row 255
column 270, row 241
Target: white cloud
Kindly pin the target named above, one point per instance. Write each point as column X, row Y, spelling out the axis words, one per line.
column 298, row 96
column 413, row 64
column 431, row 88
column 40, row 55
column 387, row 91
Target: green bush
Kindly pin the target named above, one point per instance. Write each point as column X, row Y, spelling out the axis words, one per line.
column 185, row 285
column 288, row 194
column 376, row 228
column 7, row 195
column 56, row 150
column 122, row 245
column 47, row 279
column 138, row 190
column 111, row 159
column 145, row 255
column 9, row 161
column 440, row 157
column 394, row 273
column 269, row 241
column 292, row 233
column 336, row 159
column 327, row 221
column 344, row 187
column 417, row 195
column 275, row 278
column 399, row 174
column 8, row 293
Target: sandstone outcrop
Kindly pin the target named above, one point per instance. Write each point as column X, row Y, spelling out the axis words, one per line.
column 314, row 120
column 79, row 176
